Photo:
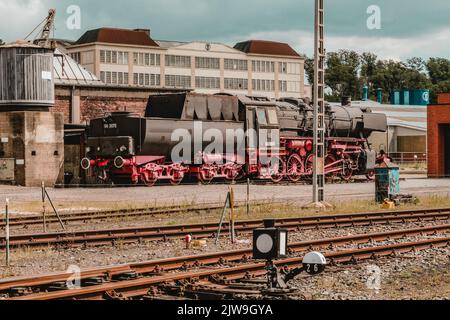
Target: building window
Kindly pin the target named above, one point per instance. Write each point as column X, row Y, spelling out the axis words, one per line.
column 178, row 61
column 207, row 82
column 146, row 59
column 178, row 81
column 263, row 85
column 263, row 66
column 293, row 68
column 235, row 64
column 282, row 67
column 236, row 84
column 207, row 63
column 76, row 56
column 113, row 57
column 283, row 86
column 118, row 78
column 146, row 80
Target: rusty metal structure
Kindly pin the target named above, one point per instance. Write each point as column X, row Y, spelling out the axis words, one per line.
column 209, row 230
column 222, row 275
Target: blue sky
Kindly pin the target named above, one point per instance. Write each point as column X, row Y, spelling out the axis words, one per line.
column 408, row 28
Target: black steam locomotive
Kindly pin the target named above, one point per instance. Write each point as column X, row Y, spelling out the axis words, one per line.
column 227, row 137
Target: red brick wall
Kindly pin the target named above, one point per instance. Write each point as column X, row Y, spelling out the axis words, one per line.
column 438, row 115
column 62, row 104
column 95, row 107
column 443, row 98
column 92, row 108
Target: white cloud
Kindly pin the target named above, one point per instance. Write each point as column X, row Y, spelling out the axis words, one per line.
column 434, row 44
column 18, row 18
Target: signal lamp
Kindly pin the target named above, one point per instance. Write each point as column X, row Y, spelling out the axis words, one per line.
column 270, row 243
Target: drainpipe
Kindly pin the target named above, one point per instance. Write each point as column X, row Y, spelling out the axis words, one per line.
column 74, row 106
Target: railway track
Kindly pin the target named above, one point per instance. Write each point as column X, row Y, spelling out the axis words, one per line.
column 67, row 218
column 209, row 230
column 137, row 280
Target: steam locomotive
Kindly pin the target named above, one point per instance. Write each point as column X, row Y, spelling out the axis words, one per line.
column 272, row 140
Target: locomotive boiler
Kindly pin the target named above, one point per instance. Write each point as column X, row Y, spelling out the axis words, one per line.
column 251, row 137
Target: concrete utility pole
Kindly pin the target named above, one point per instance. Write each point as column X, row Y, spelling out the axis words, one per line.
column 319, row 108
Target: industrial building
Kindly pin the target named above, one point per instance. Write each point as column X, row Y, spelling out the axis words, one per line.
column 439, row 137
column 406, row 137
column 122, row 57
column 31, row 137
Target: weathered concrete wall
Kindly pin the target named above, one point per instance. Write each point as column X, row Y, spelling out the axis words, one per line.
column 36, row 141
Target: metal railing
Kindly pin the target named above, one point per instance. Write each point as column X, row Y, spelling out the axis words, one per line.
column 410, row 158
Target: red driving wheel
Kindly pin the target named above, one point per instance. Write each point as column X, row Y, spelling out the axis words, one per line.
column 295, row 168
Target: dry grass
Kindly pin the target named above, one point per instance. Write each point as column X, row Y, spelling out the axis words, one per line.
column 421, row 284
column 414, row 166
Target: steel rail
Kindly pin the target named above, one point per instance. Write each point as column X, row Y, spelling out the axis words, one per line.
column 156, row 267
column 35, row 219
column 206, row 230
column 140, row 287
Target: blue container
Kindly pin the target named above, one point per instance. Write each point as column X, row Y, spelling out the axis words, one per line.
column 365, row 95
column 380, row 95
column 387, row 182
column 395, row 97
column 405, row 97
column 420, row 97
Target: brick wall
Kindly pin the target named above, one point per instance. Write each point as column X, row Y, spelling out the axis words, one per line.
column 438, row 115
column 95, row 107
column 443, row 98
column 92, row 108
column 96, row 101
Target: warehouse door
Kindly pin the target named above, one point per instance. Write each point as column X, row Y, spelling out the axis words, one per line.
column 446, row 136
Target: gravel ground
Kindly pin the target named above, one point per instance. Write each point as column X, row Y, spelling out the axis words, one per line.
column 28, row 199
column 424, row 275
column 34, row 261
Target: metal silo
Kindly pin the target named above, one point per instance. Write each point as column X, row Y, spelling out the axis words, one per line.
column 26, row 77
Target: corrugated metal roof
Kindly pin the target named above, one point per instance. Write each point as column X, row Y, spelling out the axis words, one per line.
column 267, row 47
column 68, row 71
column 412, row 117
column 23, row 44
column 117, row 36
column 421, row 126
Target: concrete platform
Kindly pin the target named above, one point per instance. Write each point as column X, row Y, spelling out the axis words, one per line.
column 91, row 198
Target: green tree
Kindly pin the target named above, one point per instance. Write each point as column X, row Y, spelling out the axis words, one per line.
column 1, row 42
column 368, row 70
column 347, row 72
column 438, row 70
column 341, row 75
column 309, row 70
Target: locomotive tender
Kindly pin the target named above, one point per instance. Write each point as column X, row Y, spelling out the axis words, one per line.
column 125, row 148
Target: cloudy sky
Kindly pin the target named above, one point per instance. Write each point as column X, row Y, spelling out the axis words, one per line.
column 408, row 28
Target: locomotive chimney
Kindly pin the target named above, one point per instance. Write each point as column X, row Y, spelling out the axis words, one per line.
column 346, row 101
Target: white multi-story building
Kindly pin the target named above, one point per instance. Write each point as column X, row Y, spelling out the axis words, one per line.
column 124, row 57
